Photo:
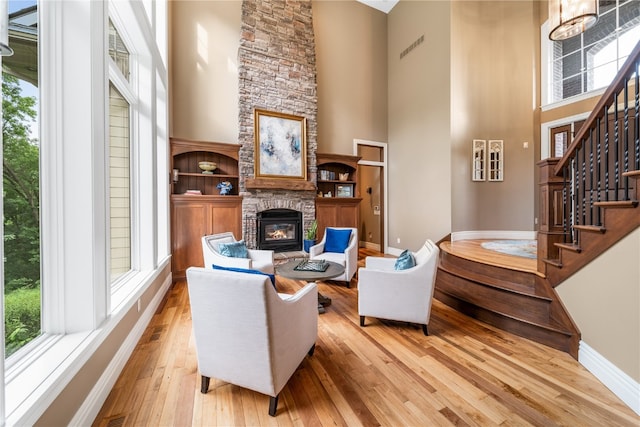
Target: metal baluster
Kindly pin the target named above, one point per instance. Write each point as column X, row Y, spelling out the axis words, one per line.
column 564, row 204
column 626, row 138
column 616, row 148
column 591, row 176
column 584, row 182
column 598, row 168
column 606, row 154
column 575, row 198
column 637, row 143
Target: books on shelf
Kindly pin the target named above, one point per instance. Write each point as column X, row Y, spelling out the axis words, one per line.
column 196, row 192
column 312, row 265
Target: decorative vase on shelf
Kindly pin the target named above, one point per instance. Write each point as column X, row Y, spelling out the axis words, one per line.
column 207, row 167
column 224, row 187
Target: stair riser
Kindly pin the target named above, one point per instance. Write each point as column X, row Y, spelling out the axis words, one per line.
column 555, row 339
column 525, row 307
column 521, row 281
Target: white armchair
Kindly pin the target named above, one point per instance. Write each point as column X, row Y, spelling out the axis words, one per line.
column 258, row 259
column 403, row 295
column 246, row 333
column 348, row 258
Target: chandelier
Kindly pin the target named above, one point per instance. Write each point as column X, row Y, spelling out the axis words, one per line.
column 568, row 18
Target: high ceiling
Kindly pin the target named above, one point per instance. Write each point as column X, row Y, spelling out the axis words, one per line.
column 383, row 5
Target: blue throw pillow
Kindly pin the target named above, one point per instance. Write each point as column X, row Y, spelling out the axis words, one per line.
column 234, row 249
column 246, row 270
column 405, row 261
column 337, row 240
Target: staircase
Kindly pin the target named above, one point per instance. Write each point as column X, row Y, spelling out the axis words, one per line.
column 588, row 202
column 520, row 302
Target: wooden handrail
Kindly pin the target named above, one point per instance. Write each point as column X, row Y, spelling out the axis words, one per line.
column 606, row 100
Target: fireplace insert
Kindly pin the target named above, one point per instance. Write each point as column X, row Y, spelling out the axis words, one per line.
column 279, row 230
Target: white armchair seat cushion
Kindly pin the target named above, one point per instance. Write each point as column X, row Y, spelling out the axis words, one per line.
column 332, row 256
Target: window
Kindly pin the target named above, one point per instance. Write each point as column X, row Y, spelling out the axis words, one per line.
column 591, row 60
column 119, row 158
column 21, row 180
column 119, row 187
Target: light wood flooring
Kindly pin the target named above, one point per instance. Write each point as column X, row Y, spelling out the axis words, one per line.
column 466, row 373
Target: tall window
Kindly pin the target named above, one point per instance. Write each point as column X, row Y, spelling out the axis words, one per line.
column 21, row 175
column 119, row 197
column 119, row 161
column 591, row 60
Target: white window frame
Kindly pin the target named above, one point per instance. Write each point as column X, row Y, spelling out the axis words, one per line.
column 546, row 73
column 128, row 90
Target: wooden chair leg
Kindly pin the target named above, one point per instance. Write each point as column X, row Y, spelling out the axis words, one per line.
column 273, row 405
column 311, row 350
column 425, row 330
column 204, row 387
column 361, row 320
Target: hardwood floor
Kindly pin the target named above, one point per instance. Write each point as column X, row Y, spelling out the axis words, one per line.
column 466, row 373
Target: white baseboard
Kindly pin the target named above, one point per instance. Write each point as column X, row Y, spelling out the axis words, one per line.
column 89, row 409
column 370, row 245
column 621, row 384
column 494, row 234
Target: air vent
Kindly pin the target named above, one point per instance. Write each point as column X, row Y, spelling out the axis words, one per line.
column 412, row 46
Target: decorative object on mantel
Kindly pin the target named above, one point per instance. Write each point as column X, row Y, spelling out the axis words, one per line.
column 478, row 159
column 280, row 148
column 207, row 167
column 224, row 187
column 568, row 18
column 343, row 176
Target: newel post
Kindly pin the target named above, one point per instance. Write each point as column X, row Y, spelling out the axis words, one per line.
column 551, row 212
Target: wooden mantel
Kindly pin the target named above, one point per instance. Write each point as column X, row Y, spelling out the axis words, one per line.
column 279, row 184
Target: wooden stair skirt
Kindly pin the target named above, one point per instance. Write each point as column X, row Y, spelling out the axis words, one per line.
column 522, row 303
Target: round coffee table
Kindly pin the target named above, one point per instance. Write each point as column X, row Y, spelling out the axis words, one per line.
column 288, row 270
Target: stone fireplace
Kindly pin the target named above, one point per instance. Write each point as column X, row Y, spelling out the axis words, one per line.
column 277, row 72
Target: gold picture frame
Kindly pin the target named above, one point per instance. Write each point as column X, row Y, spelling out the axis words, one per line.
column 280, row 148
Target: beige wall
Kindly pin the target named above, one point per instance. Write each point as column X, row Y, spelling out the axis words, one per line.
column 604, row 301
column 492, row 97
column 352, row 96
column 419, row 124
column 351, row 60
column 203, row 73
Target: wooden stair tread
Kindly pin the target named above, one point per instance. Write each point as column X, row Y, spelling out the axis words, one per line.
column 617, row 204
column 569, row 246
column 554, row 262
column 591, row 228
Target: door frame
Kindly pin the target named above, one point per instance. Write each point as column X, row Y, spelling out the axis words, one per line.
column 384, row 183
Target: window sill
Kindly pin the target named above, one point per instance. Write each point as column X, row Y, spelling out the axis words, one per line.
column 573, row 99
